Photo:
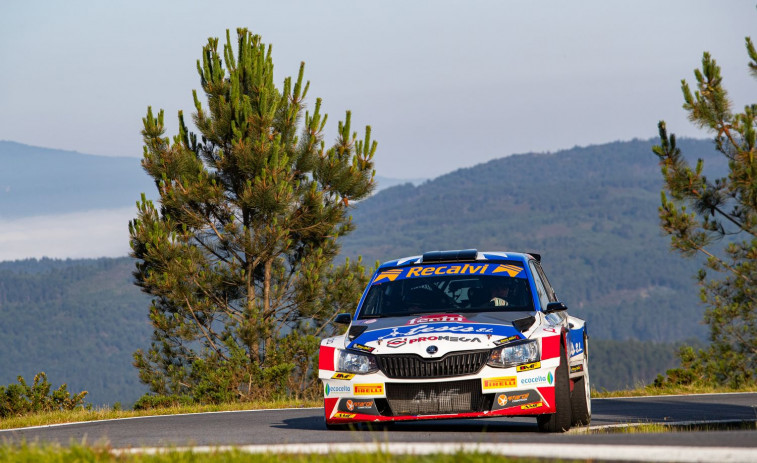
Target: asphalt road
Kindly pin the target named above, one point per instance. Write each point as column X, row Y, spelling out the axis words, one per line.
column 306, row 426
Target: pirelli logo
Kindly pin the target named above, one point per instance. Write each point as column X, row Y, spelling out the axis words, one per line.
column 345, row 376
column 368, row 389
column 530, row 406
column 499, row 383
column 344, row 415
column 529, row 366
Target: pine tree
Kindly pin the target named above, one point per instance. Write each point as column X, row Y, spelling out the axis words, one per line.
column 717, row 219
column 238, row 255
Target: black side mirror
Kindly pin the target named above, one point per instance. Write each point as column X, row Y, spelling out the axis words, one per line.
column 553, row 307
column 343, row 319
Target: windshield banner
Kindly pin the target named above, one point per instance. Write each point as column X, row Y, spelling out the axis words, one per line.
column 421, row 271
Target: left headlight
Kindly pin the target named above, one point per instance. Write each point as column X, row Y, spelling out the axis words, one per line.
column 353, row 362
column 509, row 356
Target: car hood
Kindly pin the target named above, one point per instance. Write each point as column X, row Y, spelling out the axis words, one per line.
column 433, row 335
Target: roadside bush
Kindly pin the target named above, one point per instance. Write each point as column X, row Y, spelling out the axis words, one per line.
column 21, row 399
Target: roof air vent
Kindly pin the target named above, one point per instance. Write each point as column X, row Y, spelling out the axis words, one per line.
column 450, row 256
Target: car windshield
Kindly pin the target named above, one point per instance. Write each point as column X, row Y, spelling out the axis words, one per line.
column 447, row 288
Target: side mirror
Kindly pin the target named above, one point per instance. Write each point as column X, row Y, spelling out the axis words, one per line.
column 553, row 307
column 343, row 319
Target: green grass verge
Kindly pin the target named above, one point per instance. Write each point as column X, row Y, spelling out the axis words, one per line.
column 642, row 391
column 657, row 428
column 81, row 454
column 57, row 417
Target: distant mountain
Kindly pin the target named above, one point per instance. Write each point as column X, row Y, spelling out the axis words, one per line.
column 591, row 212
column 42, row 181
column 382, row 183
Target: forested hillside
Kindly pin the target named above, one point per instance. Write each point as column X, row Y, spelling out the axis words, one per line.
column 592, row 214
column 590, row 211
column 79, row 321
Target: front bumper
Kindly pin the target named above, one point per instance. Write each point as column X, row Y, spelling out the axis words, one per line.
column 525, row 390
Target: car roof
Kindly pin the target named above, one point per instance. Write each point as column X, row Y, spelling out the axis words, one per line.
column 467, row 255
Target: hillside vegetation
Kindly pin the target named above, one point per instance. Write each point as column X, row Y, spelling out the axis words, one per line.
column 590, row 211
column 592, row 214
column 79, row 321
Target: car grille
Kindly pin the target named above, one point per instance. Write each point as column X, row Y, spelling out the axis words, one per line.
column 435, row 398
column 415, row 367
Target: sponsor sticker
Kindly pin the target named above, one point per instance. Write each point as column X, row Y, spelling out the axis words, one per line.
column 405, row 332
column 537, row 380
column 394, row 343
column 577, row 368
column 345, row 376
column 362, row 348
column 576, row 348
column 390, row 275
column 448, row 269
column 369, row 389
column 441, row 318
column 499, row 383
column 514, row 399
column 358, row 405
column 344, row 415
column 530, row 406
column 529, row 366
column 499, row 342
column 329, row 389
column 511, row 270
column 402, row 341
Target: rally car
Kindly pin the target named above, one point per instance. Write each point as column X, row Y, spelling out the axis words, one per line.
column 458, row 334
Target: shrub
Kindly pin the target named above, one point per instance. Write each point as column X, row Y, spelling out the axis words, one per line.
column 22, row 399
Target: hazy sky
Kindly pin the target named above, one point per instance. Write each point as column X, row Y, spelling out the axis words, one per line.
column 445, row 84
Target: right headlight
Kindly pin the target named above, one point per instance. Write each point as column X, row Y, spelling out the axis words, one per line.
column 354, row 362
column 509, row 356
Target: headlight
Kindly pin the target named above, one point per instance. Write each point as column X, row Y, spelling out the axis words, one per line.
column 525, row 352
column 353, row 362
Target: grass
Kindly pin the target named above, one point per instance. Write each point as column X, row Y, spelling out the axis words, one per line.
column 80, row 454
column 642, row 390
column 642, row 428
column 106, row 413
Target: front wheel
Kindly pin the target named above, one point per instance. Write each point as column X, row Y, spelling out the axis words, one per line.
column 561, row 419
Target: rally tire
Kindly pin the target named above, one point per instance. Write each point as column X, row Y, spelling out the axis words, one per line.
column 561, row 419
column 580, row 400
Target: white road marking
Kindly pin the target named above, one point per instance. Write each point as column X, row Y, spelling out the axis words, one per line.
column 641, row 453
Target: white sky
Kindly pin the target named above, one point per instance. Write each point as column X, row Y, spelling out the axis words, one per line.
column 445, row 84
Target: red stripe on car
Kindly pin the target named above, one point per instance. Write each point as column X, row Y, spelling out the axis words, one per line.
column 330, row 404
column 550, row 347
column 326, row 358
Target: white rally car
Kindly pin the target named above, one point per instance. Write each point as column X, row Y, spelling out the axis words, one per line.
column 458, row 334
